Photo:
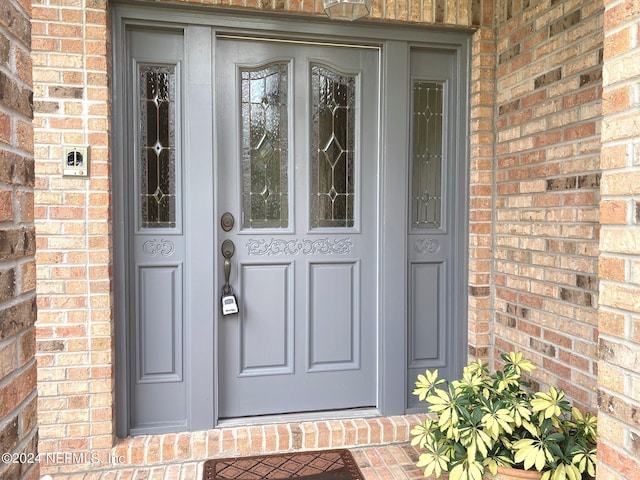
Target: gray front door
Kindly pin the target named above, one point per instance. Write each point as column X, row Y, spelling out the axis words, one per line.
column 297, row 155
column 345, row 168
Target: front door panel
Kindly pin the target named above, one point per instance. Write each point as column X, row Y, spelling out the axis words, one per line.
column 157, row 233
column 297, row 153
column 434, row 338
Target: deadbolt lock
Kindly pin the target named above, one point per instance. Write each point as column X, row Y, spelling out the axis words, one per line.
column 227, row 221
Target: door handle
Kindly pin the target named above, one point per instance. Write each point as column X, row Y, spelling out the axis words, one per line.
column 229, row 301
column 228, row 249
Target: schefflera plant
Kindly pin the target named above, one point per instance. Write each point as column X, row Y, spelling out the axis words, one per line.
column 482, row 421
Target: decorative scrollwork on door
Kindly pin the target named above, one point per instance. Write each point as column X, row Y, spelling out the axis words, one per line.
column 158, row 247
column 322, row 246
column 427, row 245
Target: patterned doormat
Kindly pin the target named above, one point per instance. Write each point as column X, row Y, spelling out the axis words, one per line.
column 319, row 465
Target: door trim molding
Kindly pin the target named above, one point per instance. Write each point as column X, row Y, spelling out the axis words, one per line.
column 395, row 42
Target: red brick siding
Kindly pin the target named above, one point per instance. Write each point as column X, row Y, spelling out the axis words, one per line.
column 18, row 394
column 74, row 329
column 619, row 324
column 548, row 115
column 481, row 187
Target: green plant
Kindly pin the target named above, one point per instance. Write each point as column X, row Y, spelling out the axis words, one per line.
column 481, row 421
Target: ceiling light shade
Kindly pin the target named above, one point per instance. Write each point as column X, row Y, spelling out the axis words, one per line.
column 347, row 9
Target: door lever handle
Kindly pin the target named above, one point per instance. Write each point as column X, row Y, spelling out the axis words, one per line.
column 228, row 249
column 227, row 273
column 228, row 300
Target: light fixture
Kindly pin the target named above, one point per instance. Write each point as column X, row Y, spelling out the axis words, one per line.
column 347, row 9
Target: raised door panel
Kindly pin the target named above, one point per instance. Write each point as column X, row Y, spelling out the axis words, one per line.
column 334, row 316
column 159, row 323
column 266, row 332
column 427, row 332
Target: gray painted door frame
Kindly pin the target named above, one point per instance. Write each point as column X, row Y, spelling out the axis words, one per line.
column 199, row 28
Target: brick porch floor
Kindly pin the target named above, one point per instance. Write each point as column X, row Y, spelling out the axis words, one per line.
column 384, row 462
column 380, row 446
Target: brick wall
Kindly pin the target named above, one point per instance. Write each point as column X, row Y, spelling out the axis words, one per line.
column 619, row 315
column 74, row 328
column 18, row 396
column 548, row 114
column 481, row 190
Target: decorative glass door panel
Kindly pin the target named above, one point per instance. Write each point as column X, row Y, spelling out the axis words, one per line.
column 297, row 129
column 157, row 161
column 265, row 149
column 426, row 155
column 333, row 123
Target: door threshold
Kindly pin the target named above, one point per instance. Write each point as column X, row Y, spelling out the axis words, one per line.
column 299, row 417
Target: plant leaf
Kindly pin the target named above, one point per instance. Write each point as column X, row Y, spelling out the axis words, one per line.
column 426, row 383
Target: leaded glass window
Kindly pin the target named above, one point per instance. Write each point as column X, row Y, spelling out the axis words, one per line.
column 333, row 114
column 426, row 155
column 265, row 151
column 157, row 182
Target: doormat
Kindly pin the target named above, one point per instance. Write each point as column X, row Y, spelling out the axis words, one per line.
column 318, row 465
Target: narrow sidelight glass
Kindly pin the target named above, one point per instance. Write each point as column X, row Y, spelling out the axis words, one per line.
column 426, row 155
column 157, row 182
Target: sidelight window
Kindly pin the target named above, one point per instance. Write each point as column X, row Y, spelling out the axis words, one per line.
column 426, row 155
column 157, row 178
